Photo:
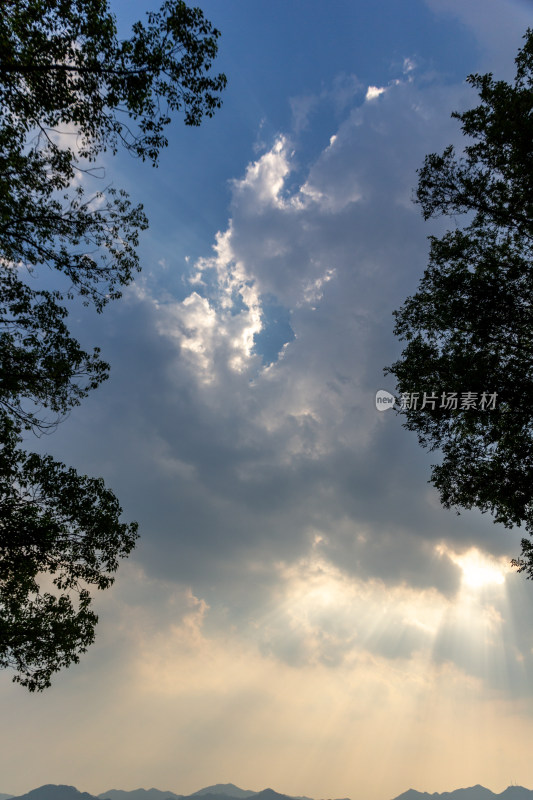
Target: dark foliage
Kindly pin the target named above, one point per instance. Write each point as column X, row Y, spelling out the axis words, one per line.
column 70, row 90
column 469, row 327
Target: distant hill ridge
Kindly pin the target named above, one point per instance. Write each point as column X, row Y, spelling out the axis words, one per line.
column 472, row 793
column 52, row 791
column 229, row 791
column 139, row 794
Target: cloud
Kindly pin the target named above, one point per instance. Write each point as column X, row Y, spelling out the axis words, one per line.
column 498, row 36
column 272, row 491
column 374, row 91
column 300, row 611
column 183, row 706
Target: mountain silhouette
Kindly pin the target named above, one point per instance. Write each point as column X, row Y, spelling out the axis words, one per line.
column 270, row 794
column 138, row 794
column 228, row 789
column 213, row 796
column 472, row 793
column 51, row 791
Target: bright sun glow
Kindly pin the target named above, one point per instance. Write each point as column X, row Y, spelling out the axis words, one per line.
column 480, row 570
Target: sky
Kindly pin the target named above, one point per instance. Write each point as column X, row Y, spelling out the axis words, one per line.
column 300, row 612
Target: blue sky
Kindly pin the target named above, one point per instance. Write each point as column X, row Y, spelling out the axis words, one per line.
column 300, row 612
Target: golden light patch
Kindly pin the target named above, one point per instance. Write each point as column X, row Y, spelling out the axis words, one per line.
column 479, row 569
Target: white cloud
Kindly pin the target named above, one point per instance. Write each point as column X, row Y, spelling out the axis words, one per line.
column 237, row 467
column 297, row 588
column 301, row 437
column 374, row 91
column 265, row 177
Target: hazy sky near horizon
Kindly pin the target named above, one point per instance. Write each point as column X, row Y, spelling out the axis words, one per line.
column 299, row 612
